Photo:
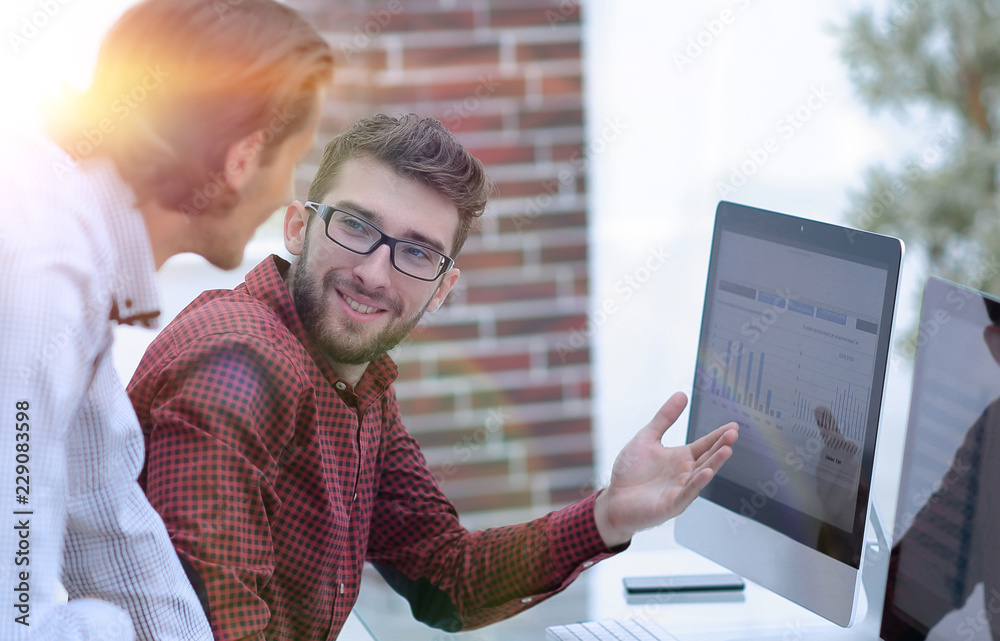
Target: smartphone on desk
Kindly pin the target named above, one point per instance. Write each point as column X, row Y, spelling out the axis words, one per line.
column 683, row 583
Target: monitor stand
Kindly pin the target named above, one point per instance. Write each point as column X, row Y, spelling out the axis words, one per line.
column 873, row 578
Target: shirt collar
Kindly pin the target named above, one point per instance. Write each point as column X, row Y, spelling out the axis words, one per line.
column 135, row 295
column 266, row 283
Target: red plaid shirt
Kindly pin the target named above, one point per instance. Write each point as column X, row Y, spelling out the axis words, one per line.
column 277, row 480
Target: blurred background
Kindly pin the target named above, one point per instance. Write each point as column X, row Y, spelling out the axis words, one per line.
column 613, row 129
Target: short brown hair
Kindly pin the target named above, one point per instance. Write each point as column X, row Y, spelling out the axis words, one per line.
column 179, row 81
column 414, row 147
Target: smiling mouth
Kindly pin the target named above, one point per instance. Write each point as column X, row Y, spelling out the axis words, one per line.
column 359, row 307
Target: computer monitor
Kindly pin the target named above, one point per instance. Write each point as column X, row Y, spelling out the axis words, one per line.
column 794, row 346
column 944, row 574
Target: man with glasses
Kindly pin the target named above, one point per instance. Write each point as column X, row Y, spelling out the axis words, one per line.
column 186, row 140
column 276, row 453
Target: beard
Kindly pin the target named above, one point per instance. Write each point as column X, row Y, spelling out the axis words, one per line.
column 348, row 344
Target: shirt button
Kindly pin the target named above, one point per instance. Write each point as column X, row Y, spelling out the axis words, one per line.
column 341, row 385
column 342, row 589
column 526, row 599
column 587, row 564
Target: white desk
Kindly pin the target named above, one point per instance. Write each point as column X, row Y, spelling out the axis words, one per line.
column 720, row 616
column 599, row 594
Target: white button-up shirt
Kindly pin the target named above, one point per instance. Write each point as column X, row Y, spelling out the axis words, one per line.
column 74, row 253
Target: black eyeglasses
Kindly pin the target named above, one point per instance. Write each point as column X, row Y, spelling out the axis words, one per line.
column 356, row 234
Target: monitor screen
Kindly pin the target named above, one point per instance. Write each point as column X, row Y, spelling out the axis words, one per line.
column 944, row 570
column 794, row 346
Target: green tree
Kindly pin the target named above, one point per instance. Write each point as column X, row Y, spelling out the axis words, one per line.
column 941, row 59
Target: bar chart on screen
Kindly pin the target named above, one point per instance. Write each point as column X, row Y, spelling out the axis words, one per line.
column 774, row 359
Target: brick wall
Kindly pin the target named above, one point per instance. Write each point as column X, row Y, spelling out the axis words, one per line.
column 496, row 386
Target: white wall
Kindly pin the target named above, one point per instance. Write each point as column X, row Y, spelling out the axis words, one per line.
column 681, row 96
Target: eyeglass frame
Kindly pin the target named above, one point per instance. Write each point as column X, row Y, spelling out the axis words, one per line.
column 325, row 212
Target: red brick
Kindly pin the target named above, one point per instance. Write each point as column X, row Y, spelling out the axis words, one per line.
column 541, row 463
column 548, row 51
column 568, row 495
column 552, row 118
column 547, row 428
column 484, row 87
column 489, row 259
column 350, row 55
column 479, row 364
column 452, row 471
column 572, row 153
column 504, row 293
column 445, row 438
column 497, row 501
column 569, row 356
column 503, row 155
column 517, row 396
column 564, row 254
column 562, row 85
column 406, row 94
column 540, row 325
column 446, row 56
column 527, row 188
column 426, row 405
column 427, row 333
column 410, row 21
column 564, row 13
column 410, row 371
column 541, row 222
column 459, row 120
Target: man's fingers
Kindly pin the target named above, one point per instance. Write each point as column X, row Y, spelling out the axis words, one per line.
column 706, row 445
column 718, row 455
column 667, row 415
column 701, row 477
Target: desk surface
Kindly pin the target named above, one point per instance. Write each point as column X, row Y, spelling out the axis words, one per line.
column 598, row 594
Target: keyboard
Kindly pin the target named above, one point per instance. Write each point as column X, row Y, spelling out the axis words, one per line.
column 609, row 630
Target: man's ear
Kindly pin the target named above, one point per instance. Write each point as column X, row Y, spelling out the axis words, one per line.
column 243, row 160
column 296, row 219
column 447, row 282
